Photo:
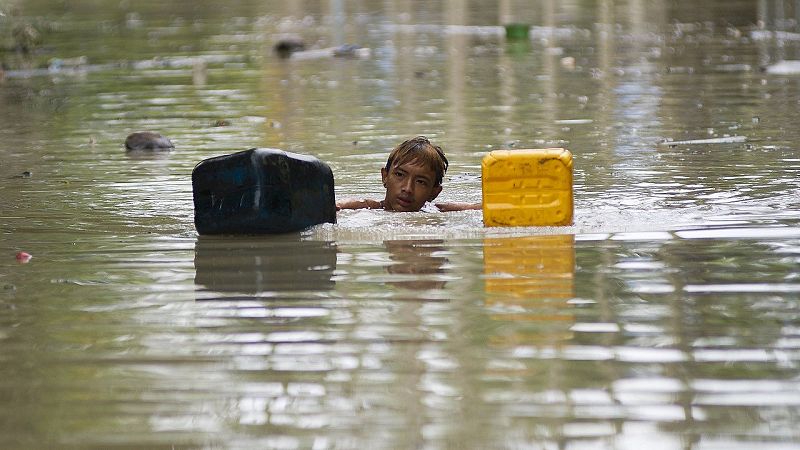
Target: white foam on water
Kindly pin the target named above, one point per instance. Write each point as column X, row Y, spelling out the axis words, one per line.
column 371, row 225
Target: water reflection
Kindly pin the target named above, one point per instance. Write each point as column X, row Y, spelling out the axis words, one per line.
column 672, row 319
column 416, row 262
column 528, row 281
column 267, row 264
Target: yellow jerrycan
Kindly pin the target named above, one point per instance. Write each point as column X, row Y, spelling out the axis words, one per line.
column 527, row 188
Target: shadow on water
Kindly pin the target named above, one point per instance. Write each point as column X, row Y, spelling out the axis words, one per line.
column 260, row 265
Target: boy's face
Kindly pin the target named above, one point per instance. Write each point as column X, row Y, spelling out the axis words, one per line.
column 409, row 186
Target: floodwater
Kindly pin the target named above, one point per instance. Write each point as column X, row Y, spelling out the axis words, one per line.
column 668, row 316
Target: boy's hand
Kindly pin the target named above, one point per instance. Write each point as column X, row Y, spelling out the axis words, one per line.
column 359, row 204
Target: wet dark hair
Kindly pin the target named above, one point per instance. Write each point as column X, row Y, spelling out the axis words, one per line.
column 421, row 150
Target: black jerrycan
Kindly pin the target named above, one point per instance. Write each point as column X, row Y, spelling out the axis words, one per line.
column 260, row 191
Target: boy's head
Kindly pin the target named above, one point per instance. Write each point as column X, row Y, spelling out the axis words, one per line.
column 413, row 174
column 420, row 151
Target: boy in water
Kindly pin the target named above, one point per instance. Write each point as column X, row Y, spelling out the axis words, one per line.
column 412, row 176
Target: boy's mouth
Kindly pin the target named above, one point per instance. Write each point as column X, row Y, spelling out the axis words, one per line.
column 405, row 203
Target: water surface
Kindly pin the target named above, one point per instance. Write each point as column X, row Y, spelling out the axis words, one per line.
column 666, row 316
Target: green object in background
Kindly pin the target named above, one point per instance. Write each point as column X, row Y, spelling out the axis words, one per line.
column 517, row 31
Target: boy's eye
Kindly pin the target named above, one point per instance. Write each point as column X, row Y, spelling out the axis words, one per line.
column 422, row 182
column 398, row 173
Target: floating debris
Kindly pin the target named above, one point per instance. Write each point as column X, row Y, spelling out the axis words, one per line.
column 147, row 140
column 568, row 63
column 23, row 257
column 351, row 50
column 25, row 174
column 347, row 50
column 288, row 45
column 534, row 32
column 499, row 31
column 573, row 121
column 26, row 38
column 789, row 67
column 764, row 35
column 722, row 140
column 176, row 62
column 517, row 31
column 80, row 66
column 680, row 70
column 734, row 68
column 59, row 64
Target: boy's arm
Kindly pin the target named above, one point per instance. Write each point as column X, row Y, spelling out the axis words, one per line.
column 359, row 204
column 458, row 206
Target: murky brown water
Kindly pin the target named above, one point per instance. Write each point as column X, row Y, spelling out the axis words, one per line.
column 666, row 317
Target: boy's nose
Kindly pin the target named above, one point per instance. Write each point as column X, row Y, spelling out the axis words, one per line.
column 407, row 185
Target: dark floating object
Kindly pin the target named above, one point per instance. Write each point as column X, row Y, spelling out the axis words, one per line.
column 285, row 47
column 25, row 174
column 347, row 50
column 262, row 191
column 147, row 140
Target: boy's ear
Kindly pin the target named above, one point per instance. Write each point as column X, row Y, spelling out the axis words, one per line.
column 384, row 173
column 436, row 191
